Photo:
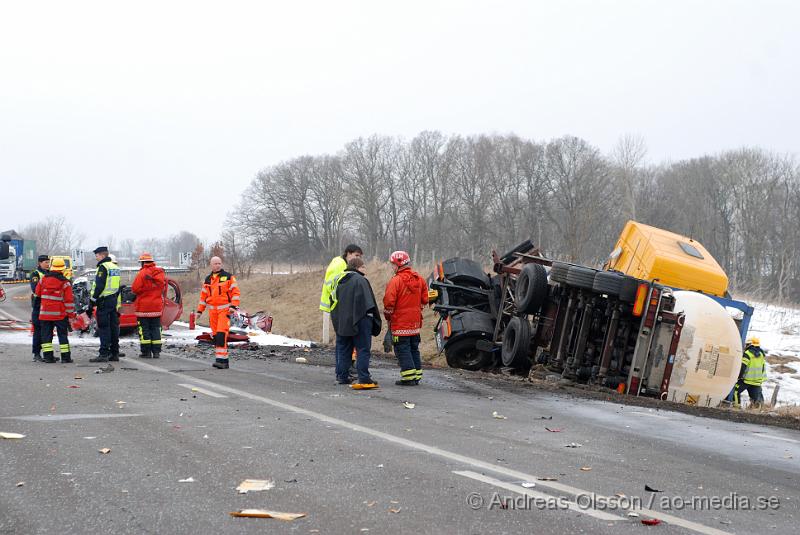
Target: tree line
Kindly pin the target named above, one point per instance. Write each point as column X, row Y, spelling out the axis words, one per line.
column 444, row 195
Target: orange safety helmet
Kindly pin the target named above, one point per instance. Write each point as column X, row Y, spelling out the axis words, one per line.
column 146, row 257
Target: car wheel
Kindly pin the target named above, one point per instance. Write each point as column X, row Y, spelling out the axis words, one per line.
column 516, row 344
column 463, row 354
column 581, row 277
column 530, row 292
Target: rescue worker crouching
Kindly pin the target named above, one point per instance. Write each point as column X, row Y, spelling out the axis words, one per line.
column 752, row 374
column 355, row 318
column 403, row 300
column 149, row 286
column 104, row 299
column 37, row 275
column 220, row 293
column 56, row 306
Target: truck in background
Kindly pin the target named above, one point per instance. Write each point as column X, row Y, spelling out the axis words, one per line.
column 24, row 257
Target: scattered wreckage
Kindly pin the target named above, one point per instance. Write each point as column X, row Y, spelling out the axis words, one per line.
column 656, row 321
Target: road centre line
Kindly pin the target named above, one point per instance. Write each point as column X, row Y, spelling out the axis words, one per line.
column 202, row 391
column 572, row 506
column 432, row 450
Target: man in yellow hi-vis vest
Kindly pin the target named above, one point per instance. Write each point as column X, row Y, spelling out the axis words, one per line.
column 336, row 267
column 752, row 374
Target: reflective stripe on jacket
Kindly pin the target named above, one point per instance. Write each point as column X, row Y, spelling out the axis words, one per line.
column 336, row 267
column 55, row 293
column 220, row 291
column 755, row 372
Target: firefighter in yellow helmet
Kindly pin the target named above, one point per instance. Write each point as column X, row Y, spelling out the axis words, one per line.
column 752, row 374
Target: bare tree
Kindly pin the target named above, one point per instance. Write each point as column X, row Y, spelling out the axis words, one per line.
column 54, row 235
column 628, row 155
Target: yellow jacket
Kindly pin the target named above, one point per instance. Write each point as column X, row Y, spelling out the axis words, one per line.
column 337, row 266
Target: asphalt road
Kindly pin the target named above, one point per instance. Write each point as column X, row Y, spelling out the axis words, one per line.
column 361, row 462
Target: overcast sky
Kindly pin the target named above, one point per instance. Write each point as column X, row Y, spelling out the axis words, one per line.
column 139, row 119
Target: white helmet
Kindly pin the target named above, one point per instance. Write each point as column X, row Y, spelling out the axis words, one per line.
column 113, row 257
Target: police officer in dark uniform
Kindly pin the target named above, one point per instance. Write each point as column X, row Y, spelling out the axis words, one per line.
column 104, row 298
column 37, row 275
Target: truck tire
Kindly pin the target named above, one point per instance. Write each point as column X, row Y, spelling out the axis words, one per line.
column 516, row 344
column 606, row 282
column 530, row 292
column 463, row 354
column 581, row 277
column 558, row 272
column 627, row 289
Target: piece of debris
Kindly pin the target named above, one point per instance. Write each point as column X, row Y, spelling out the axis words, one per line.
column 205, row 436
column 574, row 445
column 651, row 521
column 78, row 377
column 395, row 510
column 108, row 368
column 89, row 438
column 547, row 478
column 11, row 435
column 73, row 386
column 633, row 515
column 184, row 399
column 586, row 468
column 554, row 430
column 495, row 414
column 263, row 513
column 301, row 360
column 187, row 480
column 545, row 417
column 290, row 480
column 120, row 402
column 370, row 504
column 409, row 405
column 648, row 488
column 104, row 450
column 528, row 484
column 255, row 485
column 20, row 484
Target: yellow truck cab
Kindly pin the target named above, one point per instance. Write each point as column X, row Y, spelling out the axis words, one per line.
column 67, row 263
column 671, row 259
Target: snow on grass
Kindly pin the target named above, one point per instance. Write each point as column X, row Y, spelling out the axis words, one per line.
column 779, row 331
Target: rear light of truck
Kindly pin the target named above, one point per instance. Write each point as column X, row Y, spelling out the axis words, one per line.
column 641, row 297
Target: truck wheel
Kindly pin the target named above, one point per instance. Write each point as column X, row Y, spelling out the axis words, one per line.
column 606, row 282
column 516, row 344
column 627, row 289
column 581, row 277
column 464, row 355
column 530, row 292
column 558, row 273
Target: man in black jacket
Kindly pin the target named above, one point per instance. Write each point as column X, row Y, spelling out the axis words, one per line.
column 355, row 317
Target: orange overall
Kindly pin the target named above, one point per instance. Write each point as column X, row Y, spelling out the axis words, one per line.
column 220, row 293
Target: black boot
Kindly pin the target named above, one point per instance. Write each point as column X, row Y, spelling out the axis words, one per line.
column 99, row 359
column 145, row 354
column 49, row 358
column 221, row 364
column 66, row 358
column 156, row 354
column 37, row 357
column 400, row 382
column 113, row 358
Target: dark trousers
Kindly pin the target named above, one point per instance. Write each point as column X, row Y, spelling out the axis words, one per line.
column 62, row 328
column 108, row 326
column 406, row 348
column 150, row 335
column 362, row 341
column 37, row 330
column 752, row 390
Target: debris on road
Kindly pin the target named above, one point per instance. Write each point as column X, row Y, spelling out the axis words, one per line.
column 78, row 377
column 73, row 386
column 301, row 360
column 633, row 515
column 651, row 521
column 648, row 488
column 574, row 445
column 255, row 485
column 528, row 484
column 187, row 480
column 554, row 430
column 409, row 405
column 11, row 435
column 395, row 510
column 263, row 513
column 20, row 484
column 547, row 478
column 586, row 468
column 499, row 416
column 104, row 450
column 89, row 438
column 108, row 368
column 545, row 417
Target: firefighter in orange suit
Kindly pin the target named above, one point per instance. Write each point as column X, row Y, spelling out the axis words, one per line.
column 219, row 295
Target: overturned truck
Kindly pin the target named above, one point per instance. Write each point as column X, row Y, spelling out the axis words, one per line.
column 656, row 321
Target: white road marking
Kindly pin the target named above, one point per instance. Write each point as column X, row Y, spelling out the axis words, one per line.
column 63, row 417
column 203, row 391
column 433, row 450
column 572, row 506
column 774, row 437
